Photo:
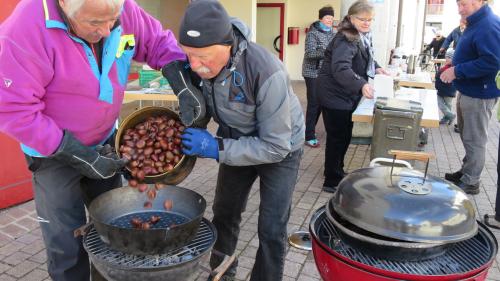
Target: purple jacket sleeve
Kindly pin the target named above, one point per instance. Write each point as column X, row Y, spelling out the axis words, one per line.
column 154, row 45
column 23, row 76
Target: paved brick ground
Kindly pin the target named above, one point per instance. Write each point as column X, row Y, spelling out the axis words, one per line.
column 22, row 253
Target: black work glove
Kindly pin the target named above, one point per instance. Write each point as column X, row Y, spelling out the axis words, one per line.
column 191, row 100
column 101, row 163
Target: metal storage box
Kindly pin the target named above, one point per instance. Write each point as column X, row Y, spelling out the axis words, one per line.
column 396, row 126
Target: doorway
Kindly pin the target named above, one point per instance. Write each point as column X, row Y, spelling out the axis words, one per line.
column 270, row 27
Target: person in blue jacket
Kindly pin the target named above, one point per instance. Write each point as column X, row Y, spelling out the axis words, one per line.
column 475, row 64
column 453, row 37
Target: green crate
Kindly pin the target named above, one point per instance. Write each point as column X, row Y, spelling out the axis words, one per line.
column 146, row 76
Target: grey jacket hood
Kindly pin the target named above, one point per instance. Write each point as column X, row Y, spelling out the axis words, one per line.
column 240, row 26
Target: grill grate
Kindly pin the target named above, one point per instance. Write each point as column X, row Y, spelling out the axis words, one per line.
column 167, row 219
column 463, row 257
column 102, row 252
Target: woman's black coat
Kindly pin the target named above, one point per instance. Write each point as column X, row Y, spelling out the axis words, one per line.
column 344, row 71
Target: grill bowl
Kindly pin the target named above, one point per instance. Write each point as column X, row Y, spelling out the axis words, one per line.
column 383, row 247
column 108, row 207
column 337, row 261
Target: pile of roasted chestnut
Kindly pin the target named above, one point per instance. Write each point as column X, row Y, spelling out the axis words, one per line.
column 153, row 146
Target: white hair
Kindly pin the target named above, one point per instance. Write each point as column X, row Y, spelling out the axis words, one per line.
column 75, row 5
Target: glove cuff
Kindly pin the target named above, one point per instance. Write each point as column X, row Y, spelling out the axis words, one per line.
column 176, row 74
column 71, row 148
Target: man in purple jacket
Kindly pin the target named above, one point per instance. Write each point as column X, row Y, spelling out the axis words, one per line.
column 63, row 71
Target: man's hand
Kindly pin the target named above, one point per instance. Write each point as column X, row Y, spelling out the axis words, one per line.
column 448, row 75
column 191, row 100
column 368, row 91
column 380, row 70
column 199, row 142
column 101, row 163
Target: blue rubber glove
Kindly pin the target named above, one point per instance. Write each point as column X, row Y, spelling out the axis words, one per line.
column 199, row 142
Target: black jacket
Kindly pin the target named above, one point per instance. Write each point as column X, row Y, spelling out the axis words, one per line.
column 435, row 45
column 343, row 73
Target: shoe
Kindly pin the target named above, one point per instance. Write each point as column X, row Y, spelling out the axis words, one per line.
column 456, row 129
column 443, row 121
column 329, row 189
column 312, row 143
column 490, row 221
column 454, row 177
column 469, row 188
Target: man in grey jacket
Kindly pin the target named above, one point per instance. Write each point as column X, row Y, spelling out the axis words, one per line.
column 261, row 131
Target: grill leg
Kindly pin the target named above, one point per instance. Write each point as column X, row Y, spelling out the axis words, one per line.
column 95, row 275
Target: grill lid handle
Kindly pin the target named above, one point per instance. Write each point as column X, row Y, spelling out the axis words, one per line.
column 411, row 155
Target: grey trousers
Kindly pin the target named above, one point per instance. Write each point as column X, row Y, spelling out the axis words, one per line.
column 61, row 194
column 473, row 118
column 277, row 182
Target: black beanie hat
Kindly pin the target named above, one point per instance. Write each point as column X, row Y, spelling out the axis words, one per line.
column 205, row 23
column 326, row 11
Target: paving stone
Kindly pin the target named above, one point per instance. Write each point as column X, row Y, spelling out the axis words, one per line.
column 40, row 257
column 296, row 257
column 292, row 269
column 28, row 238
column 245, row 262
column 28, row 222
column 22, row 268
column 5, row 277
column 16, row 258
column 35, row 275
column 249, row 252
column 13, row 230
column 4, row 267
column 242, row 273
column 11, row 248
column 34, row 247
column 17, row 212
column 5, row 218
column 4, row 239
column 310, row 269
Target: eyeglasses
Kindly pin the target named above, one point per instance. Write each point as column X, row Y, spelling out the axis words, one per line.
column 364, row 20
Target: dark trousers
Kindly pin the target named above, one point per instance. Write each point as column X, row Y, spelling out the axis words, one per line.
column 313, row 108
column 277, row 182
column 61, row 194
column 338, row 125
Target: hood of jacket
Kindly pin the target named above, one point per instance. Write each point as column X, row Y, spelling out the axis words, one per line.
column 349, row 31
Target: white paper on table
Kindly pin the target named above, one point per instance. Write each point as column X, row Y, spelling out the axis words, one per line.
column 384, row 86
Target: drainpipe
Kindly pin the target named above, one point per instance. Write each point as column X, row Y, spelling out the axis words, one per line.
column 423, row 29
column 400, row 23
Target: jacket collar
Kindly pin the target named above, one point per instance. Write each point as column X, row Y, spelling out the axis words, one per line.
column 479, row 15
column 53, row 18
